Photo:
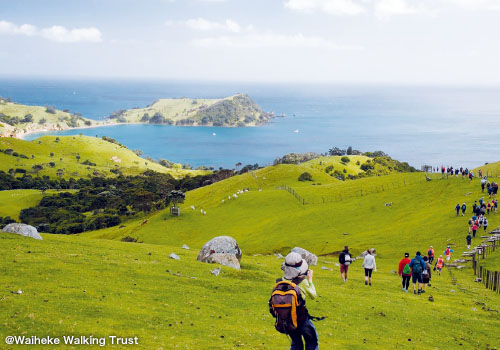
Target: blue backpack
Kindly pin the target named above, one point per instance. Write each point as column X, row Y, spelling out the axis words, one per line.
column 417, row 266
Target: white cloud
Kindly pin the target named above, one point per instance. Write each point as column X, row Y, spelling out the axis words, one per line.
column 476, row 5
column 54, row 33
column 388, row 8
column 272, row 40
column 333, row 7
column 205, row 25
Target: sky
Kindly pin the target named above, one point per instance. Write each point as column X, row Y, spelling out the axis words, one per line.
column 338, row 41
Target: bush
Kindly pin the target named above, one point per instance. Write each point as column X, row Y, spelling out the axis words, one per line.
column 366, row 166
column 345, row 159
column 329, row 169
column 305, row 177
column 21, row 171
column 50, row 109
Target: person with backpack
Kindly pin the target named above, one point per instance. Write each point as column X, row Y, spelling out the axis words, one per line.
column 430, row 254
column 483, row 184
column 288, row 303
column 495, row 203
column 469, row 241
column 439, row 265
column 405, row 271
column 457, row 208
column 426, row 274
column 464, row 208
column 417, row 266
column 448, row 252
column 474, row 228
column 488, row 208
column 485, row 224
column 370, row 266
column 344, row 260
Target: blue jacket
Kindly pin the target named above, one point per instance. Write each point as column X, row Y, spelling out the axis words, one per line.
column 417, row 260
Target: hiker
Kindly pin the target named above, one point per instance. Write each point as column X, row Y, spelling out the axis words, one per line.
column 469, row 241
column 370, row 266
column 485, row 224
column 464, row 208
column 426, row 274
column 470, row 175
column 405, row 271
column 439, row 265
column 483, row 184
column 489, row 189
column 470, row 224
column 297, row 280
column 495, row 204
column 474, row 207
column 430, row 254
column 417, row 265
column 345, row 261
column 474, row 228
column 457, row 208
column 448, row 252
column 488, row 208
column 495, row 189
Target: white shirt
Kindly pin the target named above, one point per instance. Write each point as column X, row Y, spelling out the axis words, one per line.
column 369, row 262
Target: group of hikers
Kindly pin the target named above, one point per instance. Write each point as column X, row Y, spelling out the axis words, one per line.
column 450, row 171
column 288, row 299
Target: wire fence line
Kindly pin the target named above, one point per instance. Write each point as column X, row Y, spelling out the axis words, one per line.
column 490, row 279
column 360, row 191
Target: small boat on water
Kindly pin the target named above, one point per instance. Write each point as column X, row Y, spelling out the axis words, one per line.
column 213, row 134
column 296, row 131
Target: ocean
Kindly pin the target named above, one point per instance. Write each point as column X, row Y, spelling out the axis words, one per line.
column 457, row 126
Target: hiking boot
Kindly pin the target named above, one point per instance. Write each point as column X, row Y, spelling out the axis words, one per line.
column 406, row 290
column 370, row 283
column 422, row 291
column 414, row 292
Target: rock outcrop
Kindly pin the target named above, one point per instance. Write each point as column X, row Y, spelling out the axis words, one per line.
column 23, row 230
column 309, row 257
column 222, row 250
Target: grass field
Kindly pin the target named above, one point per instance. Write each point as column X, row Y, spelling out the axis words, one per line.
column 106, row 155
column 11, row 202
column 94, row 284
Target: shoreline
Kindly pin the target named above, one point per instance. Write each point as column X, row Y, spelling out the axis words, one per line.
column 22, row 137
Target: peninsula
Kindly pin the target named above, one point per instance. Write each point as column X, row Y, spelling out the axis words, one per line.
column 17, row 120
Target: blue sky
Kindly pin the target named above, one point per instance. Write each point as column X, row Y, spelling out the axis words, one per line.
column 368, row 41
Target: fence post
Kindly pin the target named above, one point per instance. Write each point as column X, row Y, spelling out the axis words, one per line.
column 487, row 278
column 474, row 263
column 495, row 283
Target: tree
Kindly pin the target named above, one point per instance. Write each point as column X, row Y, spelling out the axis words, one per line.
column 51, row 154
column 138, row 152
column 60, row 172
column 36, row 168
column 349, row 150
column 28, row 118
column 237, row 165
column 335, row 151
column 175, row 197
column 305, row 177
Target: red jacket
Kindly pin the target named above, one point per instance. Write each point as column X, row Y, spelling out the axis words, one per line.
column 402, row 265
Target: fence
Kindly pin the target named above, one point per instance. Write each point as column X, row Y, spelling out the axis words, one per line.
column 491, row 279
column 357, row 191
column 293, row 192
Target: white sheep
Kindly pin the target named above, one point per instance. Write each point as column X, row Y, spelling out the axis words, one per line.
column 223, row 201
column 192, row 207
column 204, row 213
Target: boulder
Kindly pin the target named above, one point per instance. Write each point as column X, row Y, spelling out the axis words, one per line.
column 309, row 257
column 224, row 259
column 374, row 253
column 174, row 256
column 223, row 246
column 23, row 230
column 185, row 247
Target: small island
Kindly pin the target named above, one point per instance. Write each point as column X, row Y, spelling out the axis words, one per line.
column 17, row 120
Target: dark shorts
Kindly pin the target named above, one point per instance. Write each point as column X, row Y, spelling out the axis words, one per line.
column 368, row 272
column 416, row 277
column 425, row 279
column 343, row 268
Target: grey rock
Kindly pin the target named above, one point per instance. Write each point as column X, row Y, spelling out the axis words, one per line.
column 185, row 247
column 224, row 259
column 309, row 257
column 222, row 245
column 23, row 230
column 216, row 271
column 174, row 256
column 364, row 253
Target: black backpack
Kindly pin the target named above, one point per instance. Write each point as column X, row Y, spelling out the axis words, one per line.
column 287, row 306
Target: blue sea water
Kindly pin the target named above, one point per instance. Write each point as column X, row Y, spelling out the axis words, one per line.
column 456, row 126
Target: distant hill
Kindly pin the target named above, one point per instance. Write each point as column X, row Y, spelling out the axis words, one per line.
column 77, row 156
column 18, row 119
column 237, row 110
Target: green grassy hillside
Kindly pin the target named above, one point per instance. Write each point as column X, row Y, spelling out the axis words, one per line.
column 105, row 155
column 135, row 289
column 11, row 202
column 237, row 110
column 17, row 119
column 78, row 286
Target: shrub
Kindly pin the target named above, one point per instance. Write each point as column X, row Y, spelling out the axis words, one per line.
column 20, row 171
column 366, row 166
column 345, row 159
column 305, row 177
column 329, row 169
column 50, row 109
